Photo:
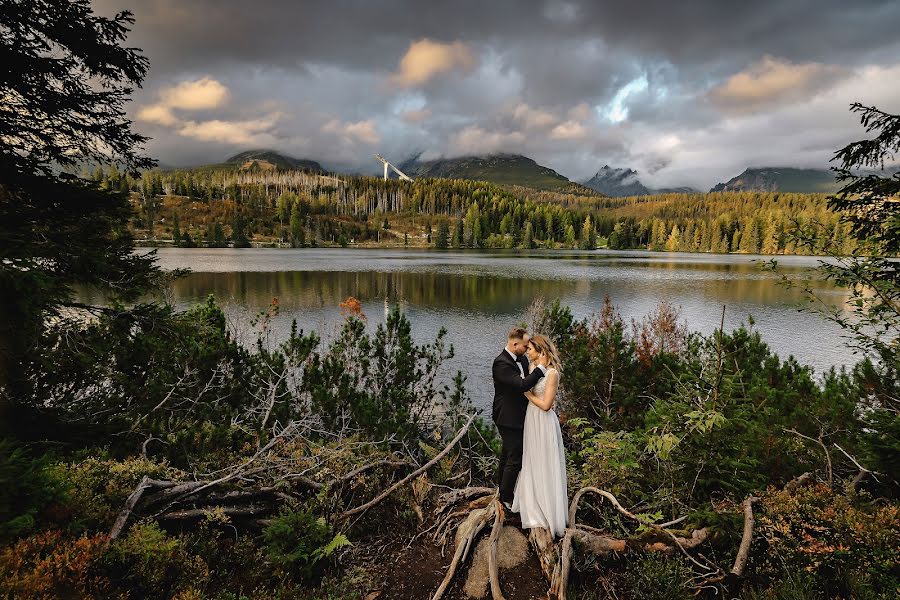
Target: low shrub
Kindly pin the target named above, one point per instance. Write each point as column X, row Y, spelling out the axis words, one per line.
column 50, row 565
column 845, row 542
column 298, row 541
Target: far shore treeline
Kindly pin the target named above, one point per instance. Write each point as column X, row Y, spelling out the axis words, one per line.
column 218, row 207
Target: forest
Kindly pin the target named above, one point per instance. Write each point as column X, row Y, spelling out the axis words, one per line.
column 220, row 206
column 146, row 453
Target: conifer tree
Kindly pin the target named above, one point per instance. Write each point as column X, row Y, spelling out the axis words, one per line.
column 66, row 77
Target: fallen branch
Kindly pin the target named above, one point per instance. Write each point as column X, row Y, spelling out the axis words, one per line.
column 319, row 485
column 231, row 511
column 542, row 541
column 130, row 503
column 452, row 497
column 558, row 585
column 192, row 488
column 743, row 553
column 573, row 507
column 829, row 471
column 602, row 544
column 740, row 561
column 135, row 497
column 414, row 474
column 859, row 466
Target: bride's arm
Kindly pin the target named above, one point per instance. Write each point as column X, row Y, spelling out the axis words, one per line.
column 545, row 402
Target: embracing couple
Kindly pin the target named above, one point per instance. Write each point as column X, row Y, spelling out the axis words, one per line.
column 532, row 474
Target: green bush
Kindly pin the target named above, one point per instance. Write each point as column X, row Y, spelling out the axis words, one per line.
column 97, row 487
column 298, row 541
column 654, row 577
column 383, row 384
column 26, row 490
column 150, row 563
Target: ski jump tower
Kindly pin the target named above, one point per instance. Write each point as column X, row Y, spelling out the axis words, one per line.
column 387, row 164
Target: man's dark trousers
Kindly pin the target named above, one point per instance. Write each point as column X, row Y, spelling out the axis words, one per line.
column 510, row 461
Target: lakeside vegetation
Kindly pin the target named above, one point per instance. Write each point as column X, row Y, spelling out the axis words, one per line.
column 145, row 453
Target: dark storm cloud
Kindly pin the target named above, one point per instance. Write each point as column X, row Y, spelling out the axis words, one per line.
column 573, row 84
column 368, row 34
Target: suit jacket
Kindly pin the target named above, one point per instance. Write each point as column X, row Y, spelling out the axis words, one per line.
column 510, row 402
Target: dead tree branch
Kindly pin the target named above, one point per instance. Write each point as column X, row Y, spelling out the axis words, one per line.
column 414, row 474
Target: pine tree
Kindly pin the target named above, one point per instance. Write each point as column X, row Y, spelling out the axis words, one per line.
column 528, row 238
column 176, row 232
column 750, row 237
column 442, row 241
column 219, row 236
column 588, row 241
column 457, row 240
column 769, row 238
column 673, row 240
column 736, row 240
column 570, row 236
column 239, row 237
column 65, row 80
column 296, row 227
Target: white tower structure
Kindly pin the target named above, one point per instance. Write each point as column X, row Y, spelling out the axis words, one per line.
column 387, row 164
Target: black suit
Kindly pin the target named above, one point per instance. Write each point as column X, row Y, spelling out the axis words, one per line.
column 508, row 413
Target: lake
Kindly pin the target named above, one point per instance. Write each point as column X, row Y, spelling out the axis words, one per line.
column 478, row 295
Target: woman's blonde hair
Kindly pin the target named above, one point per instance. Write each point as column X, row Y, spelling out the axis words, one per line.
column 545, row 346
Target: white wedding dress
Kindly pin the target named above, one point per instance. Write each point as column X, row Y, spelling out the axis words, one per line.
column 541, row 497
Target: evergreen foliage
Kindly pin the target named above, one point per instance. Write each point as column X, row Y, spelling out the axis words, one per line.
column 64, row 91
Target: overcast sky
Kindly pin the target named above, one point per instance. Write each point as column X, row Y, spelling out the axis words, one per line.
column 687, row 93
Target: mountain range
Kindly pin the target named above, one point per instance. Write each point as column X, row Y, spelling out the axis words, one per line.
column 515, row 169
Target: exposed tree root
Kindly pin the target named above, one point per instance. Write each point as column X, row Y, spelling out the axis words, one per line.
column 555, row 557
column 493, row 569
column 546, row 550
column 466, row 533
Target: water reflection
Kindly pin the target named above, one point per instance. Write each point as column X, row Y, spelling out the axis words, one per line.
column 478, row 296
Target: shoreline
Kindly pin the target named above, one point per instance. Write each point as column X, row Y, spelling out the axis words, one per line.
column 167, row 244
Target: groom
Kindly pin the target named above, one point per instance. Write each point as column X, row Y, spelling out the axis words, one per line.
column 511, row 381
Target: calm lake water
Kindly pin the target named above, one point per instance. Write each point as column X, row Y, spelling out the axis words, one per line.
column 477, row 296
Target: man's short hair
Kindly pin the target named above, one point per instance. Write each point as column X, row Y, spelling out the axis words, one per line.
column 517, row 333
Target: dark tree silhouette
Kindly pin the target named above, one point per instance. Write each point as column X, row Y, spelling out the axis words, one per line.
column 870, row 201
column 65, row 79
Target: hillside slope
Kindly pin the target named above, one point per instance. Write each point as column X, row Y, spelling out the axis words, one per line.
column 502, row 169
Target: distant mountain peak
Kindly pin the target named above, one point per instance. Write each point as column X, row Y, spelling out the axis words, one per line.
column 623, row 181
column 266, row 160
column 502, row 168
column 780, row 179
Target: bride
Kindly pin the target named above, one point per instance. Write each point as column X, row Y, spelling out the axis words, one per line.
column 540, row 497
